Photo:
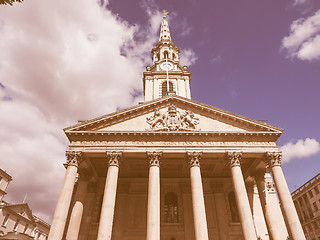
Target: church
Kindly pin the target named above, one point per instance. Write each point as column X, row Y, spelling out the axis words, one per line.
column 171, row 168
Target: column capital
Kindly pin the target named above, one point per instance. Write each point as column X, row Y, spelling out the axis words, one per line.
column 114, row 158
column 234, row 159
column 194, row 158
column 74, row 158
column 154, row 158
column 273, row 159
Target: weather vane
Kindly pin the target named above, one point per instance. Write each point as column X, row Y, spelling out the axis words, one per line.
column 165, row 13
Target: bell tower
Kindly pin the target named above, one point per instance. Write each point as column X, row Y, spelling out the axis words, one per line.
column 166, row 76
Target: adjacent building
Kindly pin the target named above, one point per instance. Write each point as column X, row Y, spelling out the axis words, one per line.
column 307, row 201
column 172, row 168
column 17, row 220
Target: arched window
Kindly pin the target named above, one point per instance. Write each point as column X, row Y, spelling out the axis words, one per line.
column 233, row 207
column 165, row 54
column 158, row 56
column 173, row 56
column 171, row 208
column 164, row 88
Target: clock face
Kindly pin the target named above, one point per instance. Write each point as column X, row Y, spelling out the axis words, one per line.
column 166, row 66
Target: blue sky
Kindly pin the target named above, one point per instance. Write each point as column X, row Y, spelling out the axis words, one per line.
column 61, row 62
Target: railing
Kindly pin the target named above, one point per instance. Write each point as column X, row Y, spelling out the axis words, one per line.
column 307, row 184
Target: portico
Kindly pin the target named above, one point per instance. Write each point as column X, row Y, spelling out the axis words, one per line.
column 173, row 169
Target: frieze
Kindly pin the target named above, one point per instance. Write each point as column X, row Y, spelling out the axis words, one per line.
column 172, row 120
column 168, row 143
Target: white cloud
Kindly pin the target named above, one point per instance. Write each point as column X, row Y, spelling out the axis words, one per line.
column 61, row 62
column 187, row 57
column 300, row 149
column 303, row 42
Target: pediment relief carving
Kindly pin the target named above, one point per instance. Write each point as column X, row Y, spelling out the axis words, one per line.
column 172, row 120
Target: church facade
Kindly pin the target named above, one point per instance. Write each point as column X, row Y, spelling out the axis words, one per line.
column 172, row 168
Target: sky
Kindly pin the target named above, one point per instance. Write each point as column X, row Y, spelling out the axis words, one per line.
column 61, row 62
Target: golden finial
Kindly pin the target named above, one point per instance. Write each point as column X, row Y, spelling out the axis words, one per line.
column 165, row 13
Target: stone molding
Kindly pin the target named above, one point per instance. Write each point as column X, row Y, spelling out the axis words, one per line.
column 171, row 143
column 114, row 158
column 172, row 120
column 154, row 158
column 74, row 158
column 234, row 159
column 273, row 159
column 194, row 158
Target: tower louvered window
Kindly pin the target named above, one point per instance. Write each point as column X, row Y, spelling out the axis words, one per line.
column 164, row 88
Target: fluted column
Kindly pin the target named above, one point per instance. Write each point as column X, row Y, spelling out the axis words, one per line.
column 270, row 206
column 288, row 208
column 109, row 196
column 63, row 204
column 153, row 215
column 77, row 210
column 199, row 212
column 242, row 200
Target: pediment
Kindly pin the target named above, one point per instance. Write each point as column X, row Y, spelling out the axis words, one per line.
column 173, row 114
column 22, row 210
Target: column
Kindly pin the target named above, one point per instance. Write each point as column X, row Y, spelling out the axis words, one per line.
column 199, row 212
column 64, row 200
column 77, row 210
column 270, row 206
column 288, row 209
column 109, row 196
column 153, row 215
column 242, row 201
column 256, row 208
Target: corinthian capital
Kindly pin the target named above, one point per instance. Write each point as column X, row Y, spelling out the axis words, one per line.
column 154, row 158
column 194, row 158
column 74, row 158
column 274, row 159
column 114, row 158
column 234, row 159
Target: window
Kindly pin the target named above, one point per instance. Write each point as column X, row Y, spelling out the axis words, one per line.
column 311, row 194
column 315, row 206
column 5, row 220
column 171, row 208
column 165, row 54
column 164, row 87
column 173, row 56
column 15, row 228
column 316, row 189
column 233, row 207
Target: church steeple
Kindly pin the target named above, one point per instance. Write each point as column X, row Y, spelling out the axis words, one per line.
column 164, row 31
column 166, row 76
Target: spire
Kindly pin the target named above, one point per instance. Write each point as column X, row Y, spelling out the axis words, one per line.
column 165, row 32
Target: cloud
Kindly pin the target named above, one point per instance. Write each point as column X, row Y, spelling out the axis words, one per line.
column 187, row 57
column 303, row 42
column 300, row 149
column 61, row 62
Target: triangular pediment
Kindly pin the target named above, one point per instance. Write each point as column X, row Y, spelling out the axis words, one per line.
column 21, row 209
column 173, row 114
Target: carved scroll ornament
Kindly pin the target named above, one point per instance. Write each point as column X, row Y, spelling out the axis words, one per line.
column 73, row 158
column 172, row 120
